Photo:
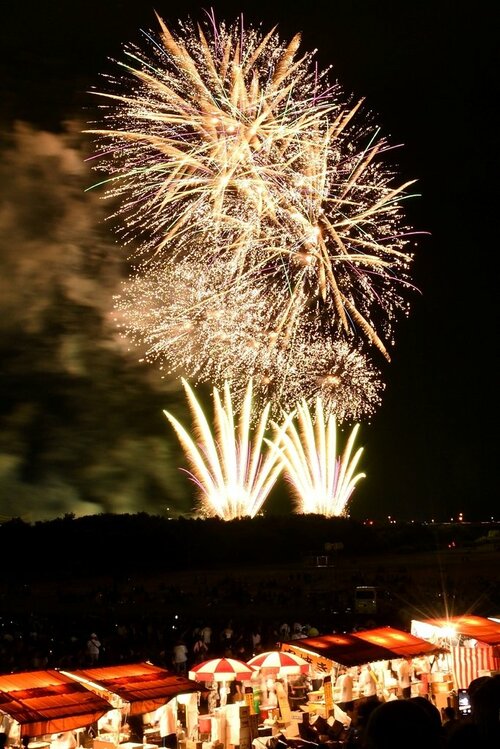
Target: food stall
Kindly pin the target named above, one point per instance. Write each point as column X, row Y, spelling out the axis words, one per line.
column 473, row 643
column 382, row 649
column 136, row 692
column 42, row 705
column 228, row 722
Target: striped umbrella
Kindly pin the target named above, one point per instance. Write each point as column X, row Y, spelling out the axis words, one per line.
column 222, row 669
column 279, row 663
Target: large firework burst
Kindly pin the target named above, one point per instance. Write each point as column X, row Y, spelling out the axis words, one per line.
column 192, row 321
column 227, row 150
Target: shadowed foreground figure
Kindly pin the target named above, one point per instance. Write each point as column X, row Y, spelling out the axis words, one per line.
column 401, row 723
column 480, row 730
column 431, row 710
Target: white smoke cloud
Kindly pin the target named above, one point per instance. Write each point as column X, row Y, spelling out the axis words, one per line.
column 60, row 266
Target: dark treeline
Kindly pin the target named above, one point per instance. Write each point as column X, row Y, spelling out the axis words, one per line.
column 141, row 543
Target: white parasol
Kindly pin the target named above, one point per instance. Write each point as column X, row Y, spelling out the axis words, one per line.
column 278, row 663
column 221, row 670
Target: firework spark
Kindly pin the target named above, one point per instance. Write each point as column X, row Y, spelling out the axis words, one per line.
column 194, row 321
column 232, row 468
column 221, row 143
column 321, row 480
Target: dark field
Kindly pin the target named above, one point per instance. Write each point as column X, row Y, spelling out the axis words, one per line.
column 110, row 568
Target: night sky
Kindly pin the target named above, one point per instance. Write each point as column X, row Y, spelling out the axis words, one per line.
column 81, row 423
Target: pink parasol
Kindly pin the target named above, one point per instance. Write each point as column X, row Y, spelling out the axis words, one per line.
column 279, row 663
column 222, row 669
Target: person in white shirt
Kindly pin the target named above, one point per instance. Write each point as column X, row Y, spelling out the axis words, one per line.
column 206, row 634
column 6, row 723
column 110, row 723
column 65, row 740
column 165, row 717
column 93, row 649
column 404, row 678
column 367, row 682
column 344, row 685
column 179, row 660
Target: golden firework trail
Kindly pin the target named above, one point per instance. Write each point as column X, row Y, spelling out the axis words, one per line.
column 230, row 465
column 322, row 481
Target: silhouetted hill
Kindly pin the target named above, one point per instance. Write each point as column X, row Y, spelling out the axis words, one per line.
column 142, row 543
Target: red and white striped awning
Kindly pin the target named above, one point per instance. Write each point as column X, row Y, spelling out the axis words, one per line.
column 469, row 663
column 473, row 643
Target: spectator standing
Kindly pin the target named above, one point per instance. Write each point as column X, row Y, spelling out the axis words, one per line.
column 226, row 637
column 200, row 650
column 284, row 631
column 206, row 634
column 93, row 649
column 179, row 660
column 256, row 641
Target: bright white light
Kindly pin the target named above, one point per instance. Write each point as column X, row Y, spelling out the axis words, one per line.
column 228, row 465
column 321, row 481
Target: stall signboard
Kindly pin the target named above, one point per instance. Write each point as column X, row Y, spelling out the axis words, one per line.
column 328, row 692
column 284, row 705
column 319, row 663
column 250, row 700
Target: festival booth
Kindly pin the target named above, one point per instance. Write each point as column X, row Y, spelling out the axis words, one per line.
column 247, row 701
column 378, row 650
column 47, row 709
column 148, row 702
column 473, row 643
column 229, row 721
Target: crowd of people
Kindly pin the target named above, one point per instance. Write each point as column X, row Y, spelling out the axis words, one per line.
column 35, row 642
column 377, row 722
column 177, row 621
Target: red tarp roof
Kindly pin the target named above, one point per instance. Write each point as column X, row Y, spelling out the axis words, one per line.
column 144, row 686
column 402, row 644
column 48, row 702
column 477, row 627
column 384, row 643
